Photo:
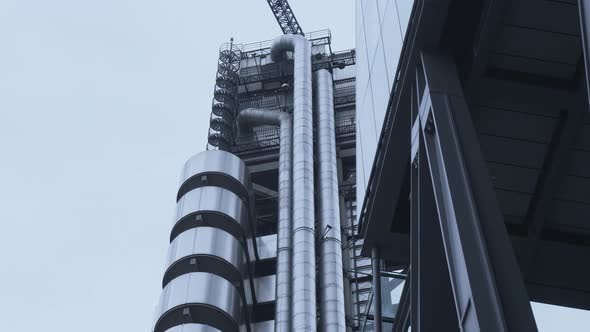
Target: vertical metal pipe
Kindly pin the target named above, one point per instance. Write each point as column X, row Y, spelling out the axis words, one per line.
column 346, row 225
column 376, row 265
column 332, row 316
column 246, row 120
column 585, row 31
column 304, row 280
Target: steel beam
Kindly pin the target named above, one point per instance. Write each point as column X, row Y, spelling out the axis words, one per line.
column 376, row 266
column 402, row 316
column 488, row 288
column 584, row 8
column 432, row 295
column 558, row 154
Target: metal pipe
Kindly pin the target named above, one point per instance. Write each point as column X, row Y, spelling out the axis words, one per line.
column 246, row 120
column 304, row 298
column 376, row 265
column 332, row 316
column 346, row 224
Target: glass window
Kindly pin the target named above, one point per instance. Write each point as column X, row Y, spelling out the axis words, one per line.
column 392, row 41
column 372, row 26
column 405, row 10
column 380, row 85
column 370, row 130
column 381, row 5
column 361, row 178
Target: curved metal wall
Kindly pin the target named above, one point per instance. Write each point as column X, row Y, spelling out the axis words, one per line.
column 211, row 205
column 203, row 286
column 193, row 328
column 220, row 169
column 205, row 249
column 204, row 297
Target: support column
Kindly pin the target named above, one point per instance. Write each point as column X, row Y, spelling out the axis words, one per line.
column 488, row 288
column 432, row 300
column 376, row 265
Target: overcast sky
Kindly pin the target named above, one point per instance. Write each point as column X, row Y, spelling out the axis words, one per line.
column 101, row 102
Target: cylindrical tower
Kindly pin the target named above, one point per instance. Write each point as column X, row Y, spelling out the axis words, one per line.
column 203, row 286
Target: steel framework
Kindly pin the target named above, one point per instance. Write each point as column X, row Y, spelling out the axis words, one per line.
column 225, row 98
column 285, row 17
column 451, row 188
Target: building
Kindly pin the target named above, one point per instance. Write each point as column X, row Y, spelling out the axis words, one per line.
column 477, row 185
column 462, row 130
column 239, row 259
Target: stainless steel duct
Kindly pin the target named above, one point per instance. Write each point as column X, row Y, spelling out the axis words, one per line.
column 332, row 316
column 304, row 281
column 246, row 120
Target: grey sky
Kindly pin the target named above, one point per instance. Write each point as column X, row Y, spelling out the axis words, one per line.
column 101, row 102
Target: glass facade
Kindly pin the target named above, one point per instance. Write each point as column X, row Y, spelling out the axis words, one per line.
column 380, row 29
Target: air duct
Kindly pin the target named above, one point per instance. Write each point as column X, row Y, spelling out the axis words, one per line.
column 332, row 316
column 246, row 120
column 304, row 298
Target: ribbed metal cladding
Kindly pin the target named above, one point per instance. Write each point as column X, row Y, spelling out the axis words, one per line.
column 203, row 283
column 211, row 205
column 303, row 263
column 246, row 120
column 215, row 168
column 206, row 249
column 199, row 297
column 332, row 318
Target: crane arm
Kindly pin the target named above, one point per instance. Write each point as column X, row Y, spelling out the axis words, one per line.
column 285, row 17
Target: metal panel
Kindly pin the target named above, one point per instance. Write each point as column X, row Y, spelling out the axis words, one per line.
column 211, row 206
column 221, row 169
column 205, row 249
column 265, row 288
column 542, row 15
column 524, row 42
column 199, row 298
column 267, row 246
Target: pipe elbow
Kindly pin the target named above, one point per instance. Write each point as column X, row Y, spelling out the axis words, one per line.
column 285, row 43
column 251, row 117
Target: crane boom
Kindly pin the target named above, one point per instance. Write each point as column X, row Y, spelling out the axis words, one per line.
column 285, row 17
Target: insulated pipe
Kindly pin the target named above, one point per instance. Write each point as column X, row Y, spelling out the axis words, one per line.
column 332, row 316
column 246, row 120
column 304, row 283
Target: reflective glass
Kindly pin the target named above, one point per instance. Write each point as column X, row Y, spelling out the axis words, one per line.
column 372, row 25
column 381, row 4
column 392, row 41
column 405, row 10
column 369, row 135
column 391, row 290
column 379, row 35
column 361, row 177
column 380, row 85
